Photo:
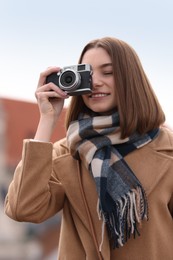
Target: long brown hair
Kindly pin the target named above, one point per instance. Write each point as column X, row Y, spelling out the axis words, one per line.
column 138, row 106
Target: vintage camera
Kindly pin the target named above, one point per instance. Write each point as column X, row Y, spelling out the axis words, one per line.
column 75, row 80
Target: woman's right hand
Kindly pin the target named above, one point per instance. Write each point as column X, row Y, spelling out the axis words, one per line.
column 50, row 100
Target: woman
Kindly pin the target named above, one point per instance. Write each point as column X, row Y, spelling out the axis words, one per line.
column 113, row 173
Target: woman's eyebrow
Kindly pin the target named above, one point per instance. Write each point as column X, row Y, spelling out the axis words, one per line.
column 105, row 65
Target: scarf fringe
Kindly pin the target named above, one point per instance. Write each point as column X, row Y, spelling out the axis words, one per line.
column 124, row 219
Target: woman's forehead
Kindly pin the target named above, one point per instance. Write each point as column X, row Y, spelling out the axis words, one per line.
column 97, row 56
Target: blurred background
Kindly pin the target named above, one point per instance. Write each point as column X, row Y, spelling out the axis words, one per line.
column 38, row 34
column 23, row 241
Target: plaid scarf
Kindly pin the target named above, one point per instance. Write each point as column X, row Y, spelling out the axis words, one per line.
column 122, row 201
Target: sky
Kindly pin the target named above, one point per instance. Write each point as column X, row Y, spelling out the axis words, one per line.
column 36, row 34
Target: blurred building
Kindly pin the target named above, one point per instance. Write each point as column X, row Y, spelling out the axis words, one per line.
column 19, row 241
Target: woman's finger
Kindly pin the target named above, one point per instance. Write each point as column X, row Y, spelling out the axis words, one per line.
column 51, row 88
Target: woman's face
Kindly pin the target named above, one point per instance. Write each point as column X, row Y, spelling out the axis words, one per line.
column 103, row 97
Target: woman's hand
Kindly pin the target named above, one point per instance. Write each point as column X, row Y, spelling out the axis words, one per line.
column 50, row 100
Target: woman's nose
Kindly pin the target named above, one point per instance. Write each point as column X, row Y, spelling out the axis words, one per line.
column 96, row 81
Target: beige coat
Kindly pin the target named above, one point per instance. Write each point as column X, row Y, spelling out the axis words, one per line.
column 42, row 187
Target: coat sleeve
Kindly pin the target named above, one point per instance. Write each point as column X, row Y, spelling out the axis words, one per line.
column 35, row 193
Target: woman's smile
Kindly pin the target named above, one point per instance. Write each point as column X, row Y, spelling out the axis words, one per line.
column 98, row 95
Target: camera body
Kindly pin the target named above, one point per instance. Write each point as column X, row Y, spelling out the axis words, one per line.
column 75, row 79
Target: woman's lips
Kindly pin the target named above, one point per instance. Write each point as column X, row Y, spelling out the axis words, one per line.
column 98, row 95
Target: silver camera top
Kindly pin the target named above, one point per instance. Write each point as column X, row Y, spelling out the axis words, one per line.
column 78, row 67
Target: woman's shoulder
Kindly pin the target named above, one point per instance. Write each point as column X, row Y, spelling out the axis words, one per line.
column 164, row 141
column 165, row 137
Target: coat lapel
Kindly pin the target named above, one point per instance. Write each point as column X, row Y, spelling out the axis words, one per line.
column 149, row 167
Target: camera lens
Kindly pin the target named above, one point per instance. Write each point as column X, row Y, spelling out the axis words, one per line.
column 69, row 80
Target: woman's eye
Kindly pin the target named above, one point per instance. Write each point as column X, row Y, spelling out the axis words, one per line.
column 107, row 72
